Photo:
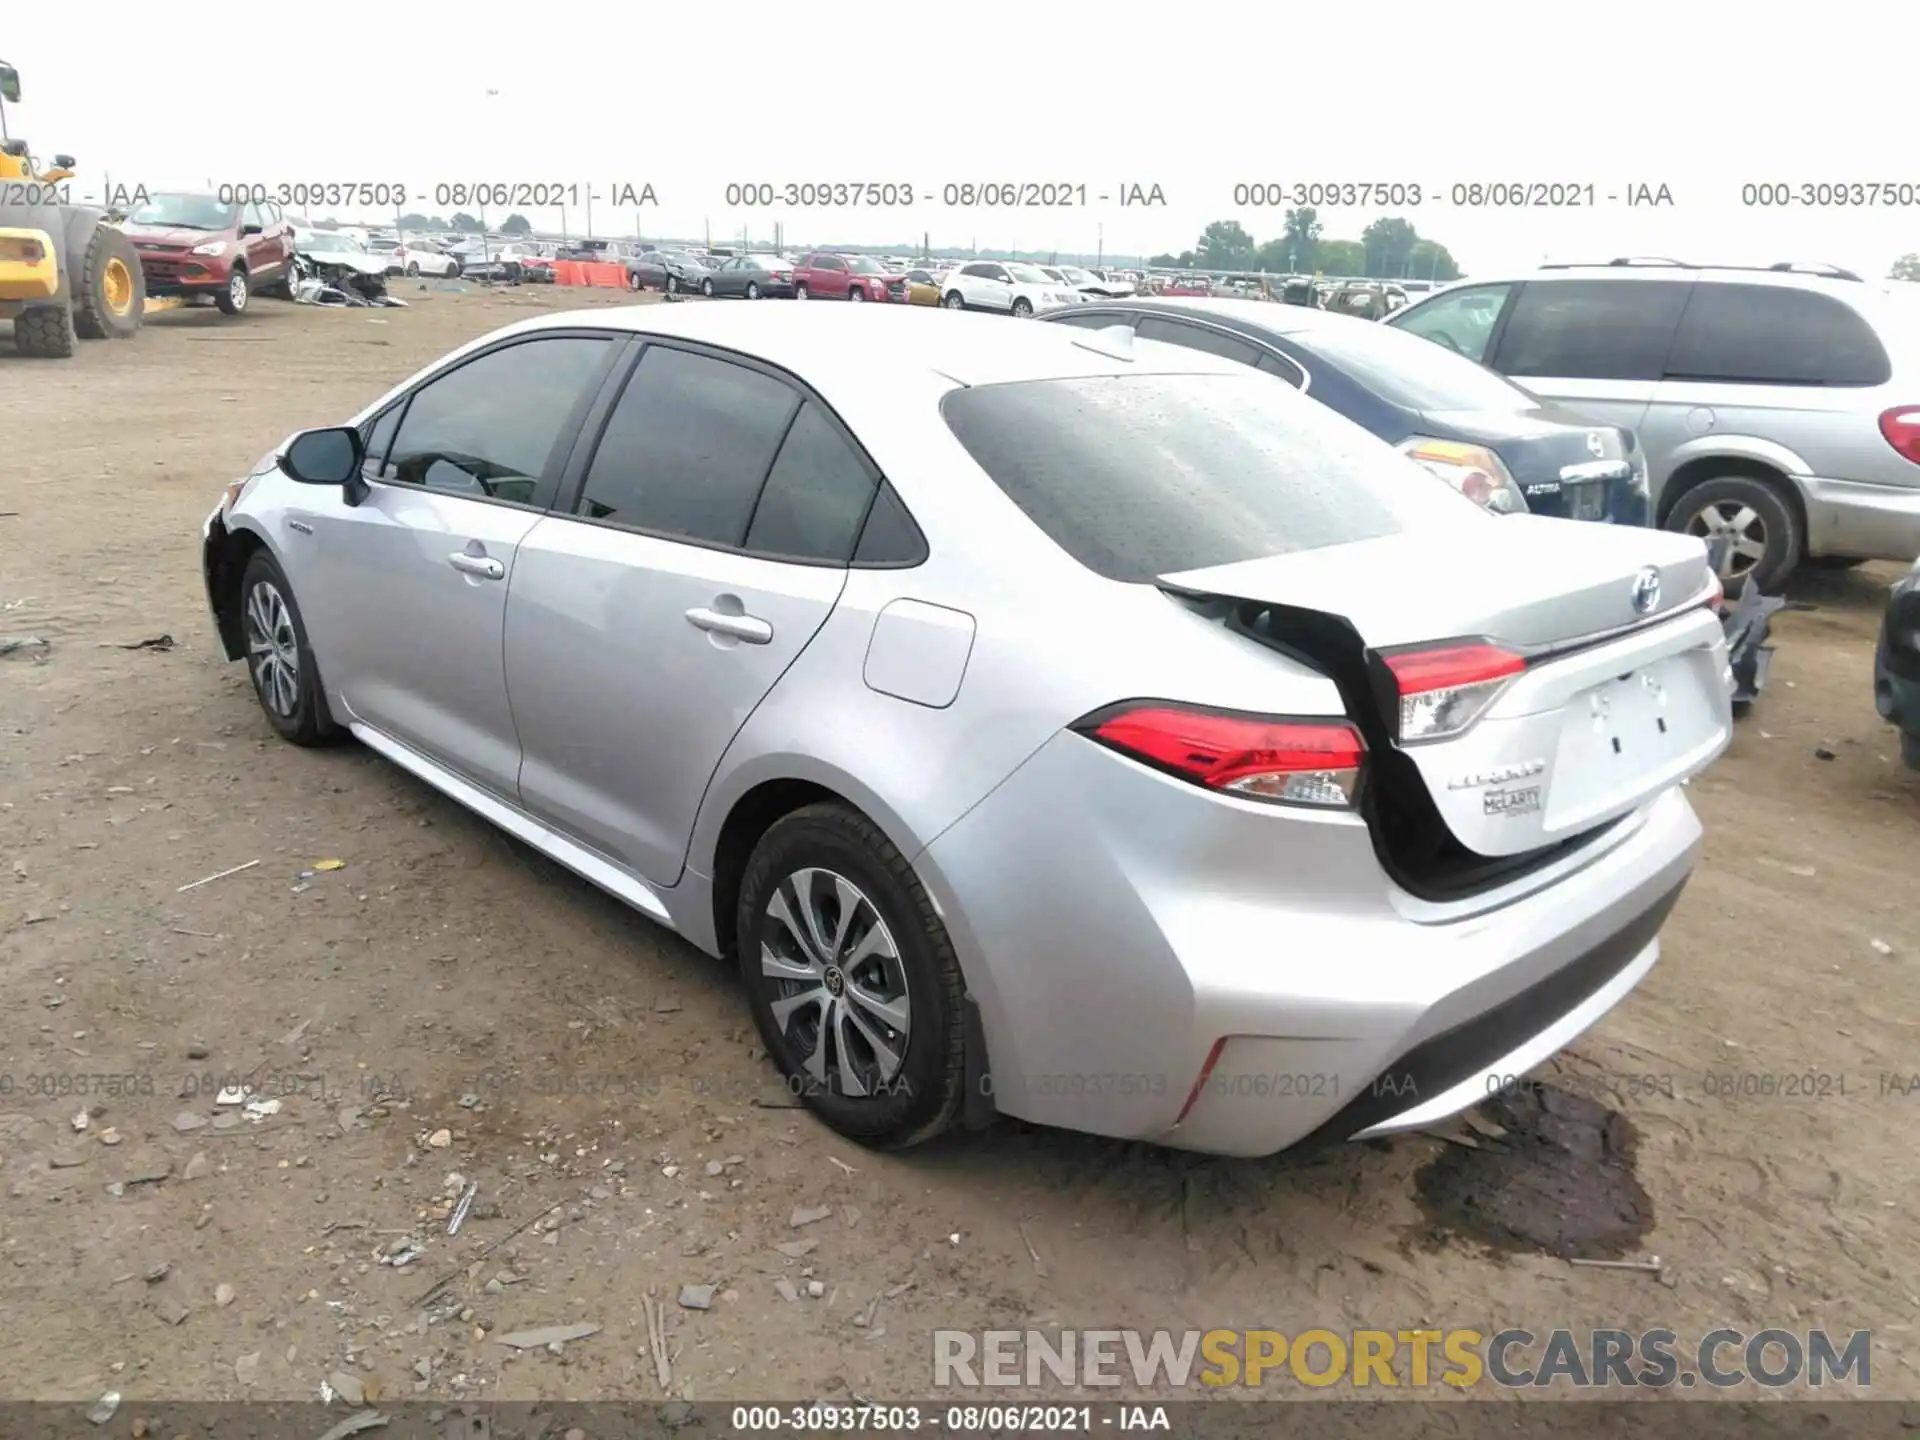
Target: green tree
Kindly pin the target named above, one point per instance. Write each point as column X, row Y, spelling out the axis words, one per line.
column 516, row 224
column 1389, row 243
column 1431, row 260
column 468, row 223
column 1342, row 257
column 1907, row 267
column 1302, row 237
column 1276, row 257
column 1225, row 245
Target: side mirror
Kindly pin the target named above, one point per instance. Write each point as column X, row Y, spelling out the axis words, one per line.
column 64, row 162
column 246, row 230
column 324, row 457
column 15, row 148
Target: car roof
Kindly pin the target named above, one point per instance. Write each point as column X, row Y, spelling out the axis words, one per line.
column 849, row 344
column 1807, row 278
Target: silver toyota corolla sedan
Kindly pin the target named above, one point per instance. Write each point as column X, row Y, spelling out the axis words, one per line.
column 1049, row 722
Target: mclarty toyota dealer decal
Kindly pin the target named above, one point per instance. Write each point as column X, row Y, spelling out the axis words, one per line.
column 1721, row 1359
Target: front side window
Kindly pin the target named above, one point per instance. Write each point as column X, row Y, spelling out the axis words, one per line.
column 488, row 429
column 1462, row 321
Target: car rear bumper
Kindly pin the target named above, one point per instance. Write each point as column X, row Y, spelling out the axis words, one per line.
column 1861, row 521
column 1216, row 975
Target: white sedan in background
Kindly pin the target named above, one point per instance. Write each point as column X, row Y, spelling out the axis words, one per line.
column 411, row 257
column 1010, row 287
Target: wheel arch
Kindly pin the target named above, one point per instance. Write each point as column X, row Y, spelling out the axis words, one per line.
column 734, row 817
column 1763, row 466
column 224, row 558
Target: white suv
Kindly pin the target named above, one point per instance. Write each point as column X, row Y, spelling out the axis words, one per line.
column 1008, row 286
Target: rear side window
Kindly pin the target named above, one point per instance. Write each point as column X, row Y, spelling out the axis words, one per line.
column 1137, row 476
column 687, row 447
column 1196, row 337
column 1771, row 335
column 1592, row 329
column 816, row 495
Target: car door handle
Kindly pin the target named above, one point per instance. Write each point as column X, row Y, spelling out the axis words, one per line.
column 749, row 628
column 485, row 566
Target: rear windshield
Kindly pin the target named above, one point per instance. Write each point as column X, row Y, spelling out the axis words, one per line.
column 1408, row 371
column 1137, row 476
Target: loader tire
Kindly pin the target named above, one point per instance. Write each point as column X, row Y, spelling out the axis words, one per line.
column 110, row 297
column 44, row 332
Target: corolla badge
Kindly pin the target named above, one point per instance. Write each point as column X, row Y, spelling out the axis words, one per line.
column 1596, row 445
column 1646, row 591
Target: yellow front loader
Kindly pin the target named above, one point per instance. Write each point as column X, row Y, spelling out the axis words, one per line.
column 66, row 271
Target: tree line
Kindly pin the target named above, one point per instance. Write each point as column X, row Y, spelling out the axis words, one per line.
column 1388, row 249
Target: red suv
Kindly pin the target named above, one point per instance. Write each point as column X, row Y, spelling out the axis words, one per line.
column 196, row 245
column 826, row 276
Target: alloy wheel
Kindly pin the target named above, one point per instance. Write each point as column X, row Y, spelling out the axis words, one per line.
column 1743, row 529
column 237, row 290
column 273, row 650
column 839, row 987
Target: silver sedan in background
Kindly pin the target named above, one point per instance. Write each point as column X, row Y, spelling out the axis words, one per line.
column 1046, row 722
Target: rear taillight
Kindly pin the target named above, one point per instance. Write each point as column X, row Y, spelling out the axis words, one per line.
column 1443, row 690
column 1901, row 426
column 1475, row 471
column 1290, row 762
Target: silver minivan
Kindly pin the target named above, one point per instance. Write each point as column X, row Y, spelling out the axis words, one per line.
column 1779, row 407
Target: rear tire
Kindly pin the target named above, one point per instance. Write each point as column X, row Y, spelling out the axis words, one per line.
column 44, row 332
column 706, row 288
column 753, row 291
column 1752, row 513
column 1022, row 307
column 413, row 269
column 955, row 300
column 286, row 678
column 896, row 961
column 232, row 300
column 110, row 300
column 800, row 292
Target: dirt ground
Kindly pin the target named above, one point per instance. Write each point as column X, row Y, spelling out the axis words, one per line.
column 447, row 1004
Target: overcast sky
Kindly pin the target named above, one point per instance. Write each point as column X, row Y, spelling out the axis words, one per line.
column 1699, row 98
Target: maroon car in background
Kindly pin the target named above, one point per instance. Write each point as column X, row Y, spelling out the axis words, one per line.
column 192, row 245
column 823, row 275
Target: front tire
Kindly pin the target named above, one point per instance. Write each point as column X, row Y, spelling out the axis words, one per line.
column 1022, row 307
column 706, row 288
column 413, row 269
column 286, row 679
column 853, row 980
column 753, row 291
column 1758, row 522
column 112, row 295
column 955, row 300
column 233, row 299
column 857, row 296
column 800, row 292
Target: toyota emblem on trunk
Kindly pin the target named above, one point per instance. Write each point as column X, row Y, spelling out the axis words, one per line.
column 1646, row 590
column 1596, row 446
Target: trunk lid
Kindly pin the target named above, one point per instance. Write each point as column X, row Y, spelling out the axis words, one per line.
column 1623, row 694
